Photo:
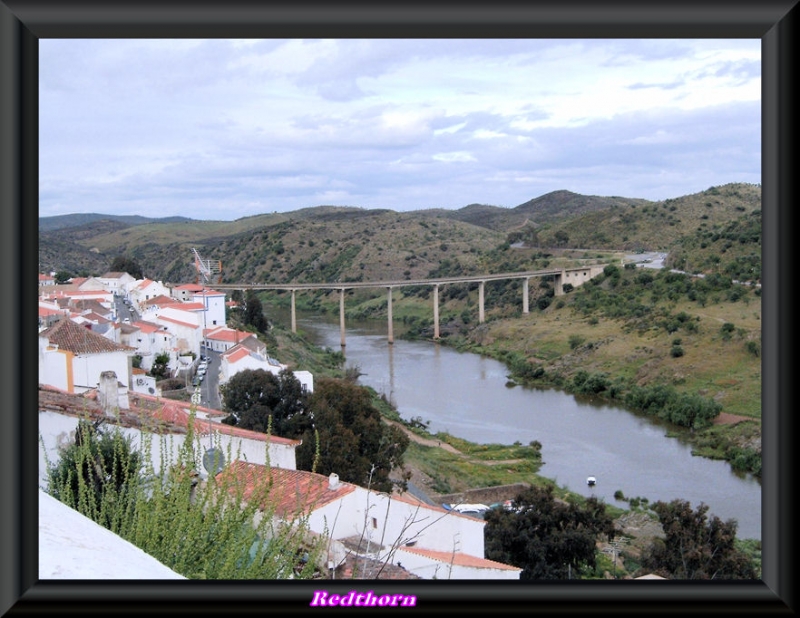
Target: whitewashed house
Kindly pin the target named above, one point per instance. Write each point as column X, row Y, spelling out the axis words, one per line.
column 71, row 296
column 60, row 412
column 184, row 293
column 72, row 357
column 429, row 541
column 117, row 283
column 50, row 313
column 222, row 339
column 214, row 306
column 90, row 284
column 98, row 324
column 243, row 356
column 185, row 325
column 144, row 290
column 149, row 339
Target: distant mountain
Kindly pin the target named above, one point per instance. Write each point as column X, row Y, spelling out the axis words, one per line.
column 346, row 243
column 59, row 222
column 556, row 205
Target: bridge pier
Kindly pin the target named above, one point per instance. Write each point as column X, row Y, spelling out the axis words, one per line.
column 559, row 282
column 481, row 316
column 294, row 313
column 435, row 310
column 525, row 296
column 341, row 314
column 389, row 311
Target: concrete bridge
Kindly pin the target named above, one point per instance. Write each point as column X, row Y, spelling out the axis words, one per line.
column 562, row 276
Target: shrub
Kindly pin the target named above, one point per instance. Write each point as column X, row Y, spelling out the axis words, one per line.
column 202, row 530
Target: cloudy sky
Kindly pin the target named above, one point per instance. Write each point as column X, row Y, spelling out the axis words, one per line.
column 222, row 129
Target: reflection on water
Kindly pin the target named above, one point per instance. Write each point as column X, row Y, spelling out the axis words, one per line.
column 467, row 396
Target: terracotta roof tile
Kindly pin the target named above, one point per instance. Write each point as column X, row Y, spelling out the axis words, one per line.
column 68, row 335
column 460, row 559
column 291, row 491
column 179, row 322
column 228, row 334
column 177, row 413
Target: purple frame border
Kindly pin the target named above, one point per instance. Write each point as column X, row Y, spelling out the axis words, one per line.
column 23, row 23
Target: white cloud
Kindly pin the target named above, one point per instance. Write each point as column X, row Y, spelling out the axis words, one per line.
column 192, row 126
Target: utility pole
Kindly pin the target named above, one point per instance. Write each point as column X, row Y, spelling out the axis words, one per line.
column 616, row 546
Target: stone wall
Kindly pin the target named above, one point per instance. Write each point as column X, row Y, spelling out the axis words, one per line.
column 483, row 495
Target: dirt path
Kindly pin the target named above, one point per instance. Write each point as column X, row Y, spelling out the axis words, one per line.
column 424, row 441
column 724, row 418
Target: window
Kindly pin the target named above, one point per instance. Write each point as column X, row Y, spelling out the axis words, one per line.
column 374, row 522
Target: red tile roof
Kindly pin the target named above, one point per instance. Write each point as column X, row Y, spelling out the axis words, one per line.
column 147, row 327
column 45, row 311
column 192, row 287
column 459, row 559
column 68, row 335
column 179, row 322
column 236, row 353
column 292, row 492
column 227, row 334
column 161, row 299
column 178, row 413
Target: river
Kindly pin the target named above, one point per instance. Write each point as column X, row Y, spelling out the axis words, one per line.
column 467, row 396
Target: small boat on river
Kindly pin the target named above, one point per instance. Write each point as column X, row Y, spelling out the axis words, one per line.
column 591, row 481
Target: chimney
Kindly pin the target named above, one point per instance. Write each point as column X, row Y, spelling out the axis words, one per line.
column 108, row 392
column 333, row 481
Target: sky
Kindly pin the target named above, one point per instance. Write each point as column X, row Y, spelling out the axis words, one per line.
column 222, row 129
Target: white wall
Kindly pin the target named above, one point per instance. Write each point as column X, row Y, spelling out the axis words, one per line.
column 215, row 304
column 59, row 429
column 188, row 333
column 53, row 366
column 87, row 368
column 72, row 546
column 431, row 527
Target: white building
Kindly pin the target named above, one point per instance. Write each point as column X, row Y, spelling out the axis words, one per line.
column 186, row 292
column 429, row 541
column 222, row 339
column 243, row 356
column 60, row 412
column 149, row 339
column 185, row 325
column 117, row 282
column 72, row 357
column 214, row 304
column 144, row 290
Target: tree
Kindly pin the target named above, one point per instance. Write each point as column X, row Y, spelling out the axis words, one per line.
column 96, row 474
column 695, row 546
column 352, row 439
column 254, row 312
column 262, row 401
column 160, row 365
column 62, row 276
column 122, row 264
column 548, row 538
column 236, row 310
column 562, row 238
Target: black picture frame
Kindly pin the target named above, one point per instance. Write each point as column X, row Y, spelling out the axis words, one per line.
column 24, row 22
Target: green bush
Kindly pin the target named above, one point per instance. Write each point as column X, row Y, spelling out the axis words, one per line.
column 202, row 530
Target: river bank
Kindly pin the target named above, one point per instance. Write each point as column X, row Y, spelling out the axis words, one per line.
column 638, row 528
